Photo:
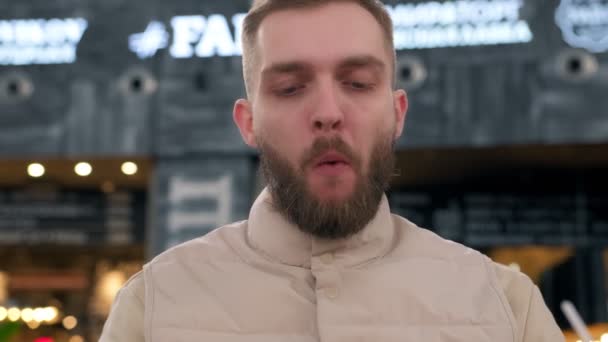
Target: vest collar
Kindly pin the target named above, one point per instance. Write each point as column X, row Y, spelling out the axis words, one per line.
column 271, row 234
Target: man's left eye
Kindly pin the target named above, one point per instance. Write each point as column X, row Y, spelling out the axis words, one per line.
column 357, row 85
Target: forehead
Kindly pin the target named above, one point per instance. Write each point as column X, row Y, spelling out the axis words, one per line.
column 320, row 36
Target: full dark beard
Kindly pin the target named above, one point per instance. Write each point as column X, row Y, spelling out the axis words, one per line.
column 328, row 219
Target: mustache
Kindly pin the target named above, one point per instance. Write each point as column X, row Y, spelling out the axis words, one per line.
column 325, row 144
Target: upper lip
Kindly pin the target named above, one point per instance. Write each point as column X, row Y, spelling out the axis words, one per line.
column 331, row 157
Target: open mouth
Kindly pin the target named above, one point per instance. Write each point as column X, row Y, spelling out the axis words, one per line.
column 331, row 159
column 332, row 162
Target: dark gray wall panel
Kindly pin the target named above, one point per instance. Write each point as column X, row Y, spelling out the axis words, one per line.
column 196, row 95
column 89, row 107
column 33, row 124
column 426, row 116
column 114, row 92
column 196, row 98
column 110, row 102
column 571, row 107
column 508, row 94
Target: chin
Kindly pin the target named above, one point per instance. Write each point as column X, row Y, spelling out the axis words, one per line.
column 333, row 194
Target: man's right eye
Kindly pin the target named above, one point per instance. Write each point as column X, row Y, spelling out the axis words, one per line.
column 289, row 91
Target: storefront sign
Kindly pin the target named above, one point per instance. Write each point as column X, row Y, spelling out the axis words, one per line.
column 584, row 23
column 416, row 26
column 40, row 41
column 458, row 23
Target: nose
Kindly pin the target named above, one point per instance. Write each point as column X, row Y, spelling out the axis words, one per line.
column 328, row 115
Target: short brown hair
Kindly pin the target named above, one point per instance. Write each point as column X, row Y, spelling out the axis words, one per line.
column 260, row 9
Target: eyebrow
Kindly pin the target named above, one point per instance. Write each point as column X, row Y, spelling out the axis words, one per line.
column 285, row 68
column 352, row 62
column 362, row 61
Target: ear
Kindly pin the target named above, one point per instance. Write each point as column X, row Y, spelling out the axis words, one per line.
column 243, row 118
column 400, row 105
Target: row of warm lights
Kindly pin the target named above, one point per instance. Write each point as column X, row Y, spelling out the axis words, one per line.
column 34, row 317
column 82, row 169
column 68, row 322
column 47, row 314
column 13, row 314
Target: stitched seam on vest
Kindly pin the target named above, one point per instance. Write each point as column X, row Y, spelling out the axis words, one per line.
column 492, row 276
column 528, row 311
column 227, row 243
column 149, row 311
column 364, row 264
column 128, row 288
column 153, row 295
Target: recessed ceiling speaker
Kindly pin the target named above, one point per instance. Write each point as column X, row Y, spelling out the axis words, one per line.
column 411, row 72
column 576, row 65
column 15, row 87
column 138, row 81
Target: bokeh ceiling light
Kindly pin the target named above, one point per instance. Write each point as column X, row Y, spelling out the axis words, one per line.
column 35, row 170
column 106, row 289
column 51, row 313
column 83, row 169
column 27, row 315
column 33, row 324
column 70, row 322
column 3, row 313
column 129, row 168
column 76, row 338
column 14, row 314
column 39, row 315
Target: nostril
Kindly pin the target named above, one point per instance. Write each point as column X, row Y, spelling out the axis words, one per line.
column 326, row 122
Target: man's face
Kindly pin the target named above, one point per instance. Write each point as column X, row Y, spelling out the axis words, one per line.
column 322, row 101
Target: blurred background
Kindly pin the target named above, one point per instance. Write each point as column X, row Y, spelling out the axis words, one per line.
column 117, row 142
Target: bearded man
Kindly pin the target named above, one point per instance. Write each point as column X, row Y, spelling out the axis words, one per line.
column 321, row 257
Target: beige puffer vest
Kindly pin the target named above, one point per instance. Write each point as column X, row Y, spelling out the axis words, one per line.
column 264, row 280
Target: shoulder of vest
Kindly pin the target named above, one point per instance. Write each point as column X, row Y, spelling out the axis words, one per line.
column 216, row 245
column 420, row 242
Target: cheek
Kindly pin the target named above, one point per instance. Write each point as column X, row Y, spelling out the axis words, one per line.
column 285, row 138
column 374, row 129
column 374, row 120
column 289, row 118
column 276, row 117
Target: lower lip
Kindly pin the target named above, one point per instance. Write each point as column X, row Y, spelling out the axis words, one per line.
column 331, row 169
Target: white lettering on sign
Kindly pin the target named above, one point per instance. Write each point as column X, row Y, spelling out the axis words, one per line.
column 458, row 23
column 584, row 23
column 217, row 39
column 186, row 31
column 416, row 26
column 193, row 35
column 40, row 41
column 146, row 44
